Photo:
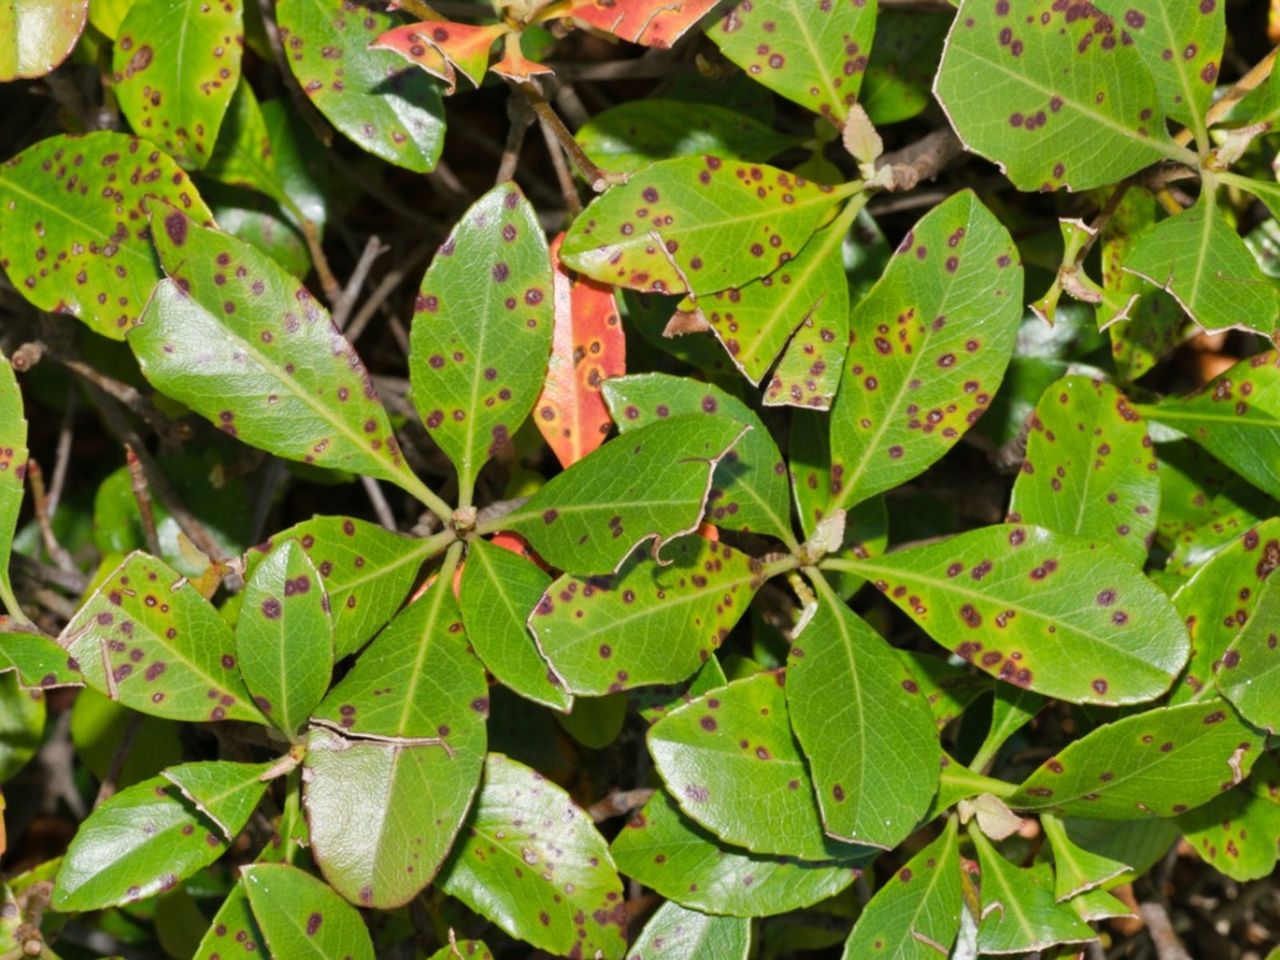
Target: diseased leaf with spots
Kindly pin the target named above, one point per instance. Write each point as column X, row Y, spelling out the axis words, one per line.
column 482, row 329
column 666, row 851
column 587, row 348
column 531, row 861
column 1236, row 418
column 462, row 45
column 863, row 725
column 650, row 23
column 225, row 792
column 13, row 469
column 929, row 347
column 366, row 571
column 808, row 374
column 148, row 639
column 141, row 842
column 678, row 933
column 1052, row 93
column 284, row 637
column 916, row 914
column 385, row 106
column 175, row 65
column 1066, row 617
column 648, row 623
column 245, row 345
column 1204, row 264
column 655, row 702
column 498, row 590
column 463, row 950
column 1236, row 831
column 300, row 917
column 705, row 750
column 749, row 487
column 1158, row 763
column 813, row 55
column 697, row 224
column 1249, row 672
column 383, row 815
column 232, row 928
column 1219, row 601
column 649, row 484
column 1090, row 468
column 947, row 688
column 76, row 237
column 39, row 662
column 38, row 35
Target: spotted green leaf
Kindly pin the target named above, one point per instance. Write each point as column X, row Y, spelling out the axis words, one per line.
column 148, row 639
column 387, row 107
column 708, row 749
column 1090, row 468
column 243, row 343
column 815, row 56
column 1236, row 831
column 863, row 725
column 697, row 224
column 1066, row 617
column 916, row 915
column 1052, row 93
column 1236, row 418
column 463, row 950
column 141, row 842
column 482, row 328
column 13, row 467
column 75, row 236
column 284, row 637
column 947, row 688
column 38, row 35
column 232, row 928
column 1075, row 869
column 175, row 66
column 654, row 703
column 929, row 347
column 648, row 623
column 37, row 659
column 498, row 590
column 225, row 792
column 1220, row 600
column 649, row 484
column 665, row 850
column 1204, row 264
column 532, row 862
column 749, row 488
column 678, row 933
column 808, row 373
column 1157, row 763
column 300, row 917
column 625, row 137
column 366, row 571
column 1249, row 672
column 383, row 815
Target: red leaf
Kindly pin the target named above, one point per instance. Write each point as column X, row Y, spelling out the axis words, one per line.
column 653, row 23
column 587, row 347
column 430, row 43
column 517, row 545
column 515, row 66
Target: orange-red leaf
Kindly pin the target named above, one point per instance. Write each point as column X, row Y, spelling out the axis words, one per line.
column 428, row 42
column 587, row 348
column 653, row 23
column 515, row 66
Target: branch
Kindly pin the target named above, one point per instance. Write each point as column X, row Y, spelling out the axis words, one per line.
column 920, row 161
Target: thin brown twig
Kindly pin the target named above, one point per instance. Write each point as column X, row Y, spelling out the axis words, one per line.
column 618, row 803
column 40, row 504
column 1167, row 944
column 62, row 454
column 142, row 496
column 920, row 161
column 521, row 117
column 107, row 789
column 379, row 501
column 386, row 287
column 599, row 180
column 572, row 202
column 373, row 248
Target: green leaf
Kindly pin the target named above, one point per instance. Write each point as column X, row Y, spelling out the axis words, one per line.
column 498, row 590
column 1249, row 672
column 1012, row 708
column 243, row 155
column 654, row 703
column 141, row 842
column 1236, row 418
column 384, row 815
column 246, row 346
column 482, row 327
column 1076, row 870
column 947, row 688
column 625, row 137
column 257, row 219
column 1154, row 764
column 648, row 623
column 650, row 484
column 22, row 722
column 13, row 468
column 678, row 933
column 904, row 57
column 233, row 928
column 1094, row 905
column 367, row 571
column 387, row 107
column 532, row 862
column 1090, row 468
column 418, row 681
column 148, row 639
column 38, row 661
column 1052, row 94
column 284, row 637
column 83, row 249
column 709, row 751
column 912, row 385
column 749, row 489
column 176, row 64
column 1063, row 616
column 301, row 918
column 1217, row 603
column 664, row 850
column 1140, row 844
column 595, row 722
column 463, row 950
column 1236, row 831
column 1200, row 259
column 225, row 792
column 38, row 35
column 697, row 224
column 815, row 57
column 916, row 915
column 863, row 725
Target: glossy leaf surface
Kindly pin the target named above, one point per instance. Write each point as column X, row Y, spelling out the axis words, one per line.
column 1236, row 831
column 678, row 933
column 13, row 469
column 1075, row 869
column 1249, row 673
column 232, row 928
column 37, row 659
column 38, row 35
column 299, row 916
column 225, row 792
